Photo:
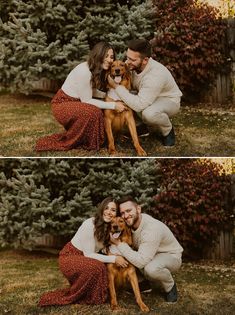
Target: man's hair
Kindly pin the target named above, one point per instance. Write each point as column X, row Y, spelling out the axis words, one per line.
column 125, row 199
column 141, row 46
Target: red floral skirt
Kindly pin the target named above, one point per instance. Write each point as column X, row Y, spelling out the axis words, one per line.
column 83, row 123
column 87, row 278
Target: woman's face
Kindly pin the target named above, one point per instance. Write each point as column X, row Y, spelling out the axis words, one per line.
column 110, row 211
column 108, row 59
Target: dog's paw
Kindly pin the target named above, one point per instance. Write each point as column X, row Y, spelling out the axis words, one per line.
column 112, row 151
column 115, row 308
column 141, row 152
column 144, row 308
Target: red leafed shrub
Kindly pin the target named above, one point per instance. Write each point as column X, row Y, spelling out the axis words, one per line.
column 192, row 202
column 189, row 41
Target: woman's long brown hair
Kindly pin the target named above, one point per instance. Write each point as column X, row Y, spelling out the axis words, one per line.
column 95, row 61
column 102, row 228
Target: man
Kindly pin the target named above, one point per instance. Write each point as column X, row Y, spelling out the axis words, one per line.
column 158, row 96
column 157, row 252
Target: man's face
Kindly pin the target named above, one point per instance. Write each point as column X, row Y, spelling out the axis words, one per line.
column 130, row 212
column 135, row 61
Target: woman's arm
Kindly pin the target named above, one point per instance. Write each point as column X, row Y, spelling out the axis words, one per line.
column 78, row 83
column 86, row 243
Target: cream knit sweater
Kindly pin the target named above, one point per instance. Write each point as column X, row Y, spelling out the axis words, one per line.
column 78, row 85
column 153, row 82
column 85, row 241
column 151, row 237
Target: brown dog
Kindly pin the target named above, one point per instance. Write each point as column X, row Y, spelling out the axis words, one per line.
column 115, row 121
column 118, row 276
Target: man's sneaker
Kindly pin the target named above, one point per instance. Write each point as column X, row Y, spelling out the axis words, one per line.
column 172, row 296
column 142, row 130
column 145, row 286
column 169, row 140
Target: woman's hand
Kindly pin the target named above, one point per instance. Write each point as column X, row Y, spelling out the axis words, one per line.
column 111, row 82
column 121, row 262
column 119, row 106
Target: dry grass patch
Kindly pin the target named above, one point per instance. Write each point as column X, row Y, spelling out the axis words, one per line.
column 204, row 288
column 202, row 130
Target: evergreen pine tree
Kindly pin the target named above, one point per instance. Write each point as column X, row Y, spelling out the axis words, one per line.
column 22, row 206
column 118, row 21
column 41, row 39
column 46, row 39
column 56, row 195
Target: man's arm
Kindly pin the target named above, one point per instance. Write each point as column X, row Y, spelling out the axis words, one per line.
column 147, row 250
column 147, row 94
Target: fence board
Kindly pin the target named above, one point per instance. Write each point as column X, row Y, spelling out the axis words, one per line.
column 50, row 241
column 224, row 85
column 221, row 92
column 223, row 249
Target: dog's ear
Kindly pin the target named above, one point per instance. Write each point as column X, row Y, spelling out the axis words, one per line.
column 107, row 73
column 107, row 235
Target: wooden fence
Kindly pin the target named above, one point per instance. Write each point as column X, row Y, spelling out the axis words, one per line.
column 45, row 87
column 224, row 246
column 51, row 241
column 224, row 86
column 222, row 91
column 223, row 249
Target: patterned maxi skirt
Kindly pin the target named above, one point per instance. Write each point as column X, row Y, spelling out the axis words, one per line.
column 87, row 279
column 83, row 123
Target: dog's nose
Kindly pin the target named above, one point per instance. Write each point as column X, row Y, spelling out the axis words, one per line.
column 115, row 227
column 117, row 71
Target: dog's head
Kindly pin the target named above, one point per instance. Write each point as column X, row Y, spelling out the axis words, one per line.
column 120, row 73
column 120, row 230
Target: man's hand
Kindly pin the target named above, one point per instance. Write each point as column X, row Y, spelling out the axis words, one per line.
column 119, row 106
column 121, row 261
column 111, row 82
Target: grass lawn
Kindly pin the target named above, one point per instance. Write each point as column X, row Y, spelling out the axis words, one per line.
column 204, row 288
column 202, row 130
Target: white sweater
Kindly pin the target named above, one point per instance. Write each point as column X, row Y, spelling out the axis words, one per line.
column 78, row 85
column 151, row 237
column 153, row 82
column 85, row 241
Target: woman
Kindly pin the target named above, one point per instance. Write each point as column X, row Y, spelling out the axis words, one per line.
column 76, row 107
column 81, row 263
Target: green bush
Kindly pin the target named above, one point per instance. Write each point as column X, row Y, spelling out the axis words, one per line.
column 193, row 202
column 189, row 40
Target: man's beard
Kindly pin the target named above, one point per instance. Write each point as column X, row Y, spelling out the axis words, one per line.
column 137, row 68
column 134, row 220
